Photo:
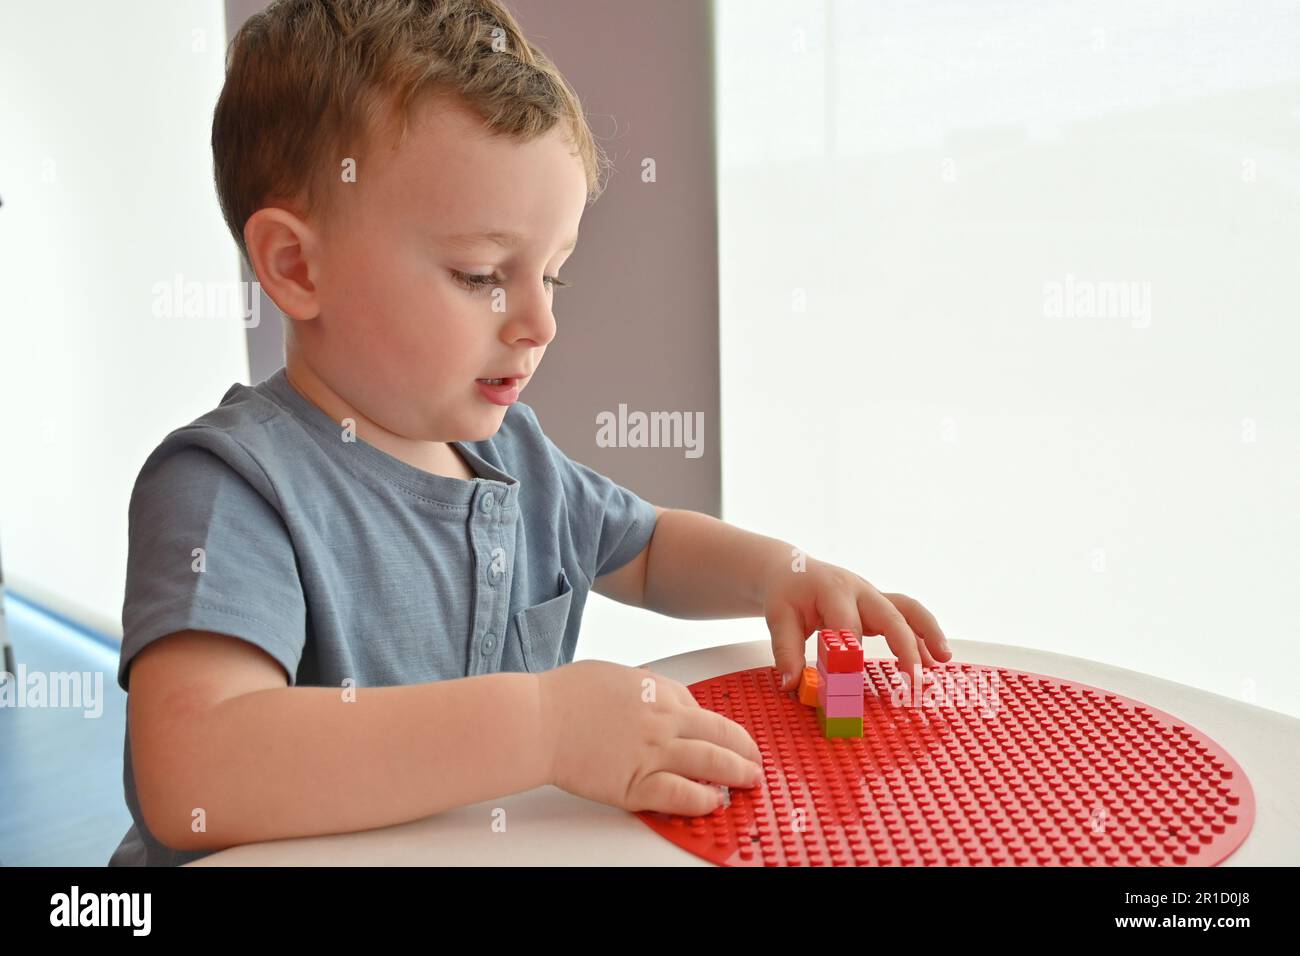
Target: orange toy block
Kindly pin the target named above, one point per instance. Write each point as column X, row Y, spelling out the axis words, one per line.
column 808, row 687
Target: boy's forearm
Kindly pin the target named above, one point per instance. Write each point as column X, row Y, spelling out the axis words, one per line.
column 699, row 567
column 302, row 761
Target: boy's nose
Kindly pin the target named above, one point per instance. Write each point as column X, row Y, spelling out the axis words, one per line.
column 536, row 321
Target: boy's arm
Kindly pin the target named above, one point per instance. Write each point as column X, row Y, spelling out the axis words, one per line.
column 215, row 727
column 627, row 584
column 699, row 567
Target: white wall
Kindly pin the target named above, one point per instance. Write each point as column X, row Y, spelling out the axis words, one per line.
column 106, row 179
column 1122, row 489
column 1084, row 485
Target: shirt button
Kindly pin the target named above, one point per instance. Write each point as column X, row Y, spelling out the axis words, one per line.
column 488, row 501
column 489, row 642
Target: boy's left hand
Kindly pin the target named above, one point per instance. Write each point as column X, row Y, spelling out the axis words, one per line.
column 798, row 603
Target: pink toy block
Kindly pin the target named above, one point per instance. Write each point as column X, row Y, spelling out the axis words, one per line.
column 840, row 685
column 846, row 706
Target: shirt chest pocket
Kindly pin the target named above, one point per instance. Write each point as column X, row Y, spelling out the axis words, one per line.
column 541, row 628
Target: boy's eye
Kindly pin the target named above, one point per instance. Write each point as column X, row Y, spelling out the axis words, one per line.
column 475, row 282
column 471, row 281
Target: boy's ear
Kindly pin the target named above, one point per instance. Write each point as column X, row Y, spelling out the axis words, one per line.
column 282, row 248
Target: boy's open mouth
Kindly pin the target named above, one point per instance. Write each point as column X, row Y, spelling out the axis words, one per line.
column 512, row 379
column 503, row 390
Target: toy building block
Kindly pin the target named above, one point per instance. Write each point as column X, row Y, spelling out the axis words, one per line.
column 808, row 687
column 840, row 671
column 840, row 685
column 841, row 705
column 838, row 726
column 839, row 652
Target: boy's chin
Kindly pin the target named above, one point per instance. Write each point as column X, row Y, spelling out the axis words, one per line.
column 488, row 425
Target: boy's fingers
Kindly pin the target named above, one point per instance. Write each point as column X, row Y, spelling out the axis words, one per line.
column 666, row 792
column 788, row 638
column 923, row 624
column 927, row 660
column 838, row 611
column 702, row 760
column 687, row 699
column 708, row 725
column 876, row 609
column 666, row 688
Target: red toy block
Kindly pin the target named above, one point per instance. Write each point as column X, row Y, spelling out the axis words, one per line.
column 838, row 654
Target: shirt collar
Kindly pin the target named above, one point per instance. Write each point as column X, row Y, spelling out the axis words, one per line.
column 370, row 459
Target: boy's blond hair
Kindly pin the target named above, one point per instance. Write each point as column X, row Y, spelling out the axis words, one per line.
column 310, row 83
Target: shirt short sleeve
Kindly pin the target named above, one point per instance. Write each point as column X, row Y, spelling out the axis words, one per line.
column 207, row 551
column 609, row 523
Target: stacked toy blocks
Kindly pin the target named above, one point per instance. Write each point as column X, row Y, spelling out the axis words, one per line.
column 839, row 683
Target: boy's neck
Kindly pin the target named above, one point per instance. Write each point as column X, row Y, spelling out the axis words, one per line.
column 435, row 457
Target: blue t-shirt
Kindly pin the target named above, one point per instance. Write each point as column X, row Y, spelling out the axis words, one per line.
column 259, row 520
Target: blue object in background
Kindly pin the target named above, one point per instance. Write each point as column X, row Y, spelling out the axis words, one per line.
column 61, row 798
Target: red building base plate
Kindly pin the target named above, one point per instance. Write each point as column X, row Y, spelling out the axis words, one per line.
column 982, row 766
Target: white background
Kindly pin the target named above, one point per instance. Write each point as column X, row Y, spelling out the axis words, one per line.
column 921, row 170
column 106, row 178
column 898, row 183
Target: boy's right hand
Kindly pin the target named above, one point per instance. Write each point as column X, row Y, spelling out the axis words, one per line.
column 638, row 740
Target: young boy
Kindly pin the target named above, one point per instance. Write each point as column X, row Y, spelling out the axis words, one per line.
column 354, row 590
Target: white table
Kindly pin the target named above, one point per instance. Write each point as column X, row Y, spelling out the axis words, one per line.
column 549, row 827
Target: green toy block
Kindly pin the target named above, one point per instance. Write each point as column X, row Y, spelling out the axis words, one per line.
column 833, row 727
